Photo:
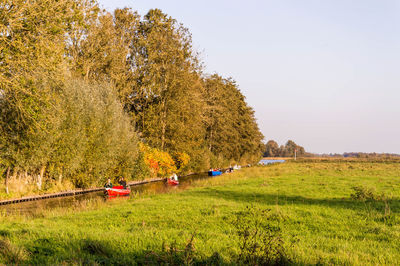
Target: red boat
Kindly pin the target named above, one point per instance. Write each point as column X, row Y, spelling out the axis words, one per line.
column 173, row 182
column 118, row 191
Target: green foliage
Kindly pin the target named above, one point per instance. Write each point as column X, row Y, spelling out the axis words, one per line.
column 75, row 80
column 364, row 194
column 96, row 133
column 91, row 137
column 181, row 160
column 288, row 150
column 172, row 255
column 260, row 241
column 231, row 128
column 272, row 149
column 141, row 169
column 32, row 35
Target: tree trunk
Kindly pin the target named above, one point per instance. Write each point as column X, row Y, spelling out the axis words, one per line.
column 27, row 178
column 211, row 137
column 40, row 177
column 163, row 125
column 6, row 180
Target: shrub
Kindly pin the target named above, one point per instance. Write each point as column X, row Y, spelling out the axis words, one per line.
column 95, row 247
column 181, row 160
column 173, row 254
column 85, row 136
column 260, row 242
column 141, row 169
column 159, row 162
column 366, row 194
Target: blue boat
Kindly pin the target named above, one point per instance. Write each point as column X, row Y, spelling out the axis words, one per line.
column 214, row 173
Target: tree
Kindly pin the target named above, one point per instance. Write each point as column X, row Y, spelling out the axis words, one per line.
column 96, row 136
column 166, row 99
column 290, row 148
column 287, row 150
column 32, row 46
column 271, row 149
column 100, row 48
column 231, row 128
column 49, row 122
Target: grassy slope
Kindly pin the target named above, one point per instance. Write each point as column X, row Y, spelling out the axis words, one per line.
column 311, row 203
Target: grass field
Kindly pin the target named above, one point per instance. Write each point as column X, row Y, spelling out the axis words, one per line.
column 322, row 219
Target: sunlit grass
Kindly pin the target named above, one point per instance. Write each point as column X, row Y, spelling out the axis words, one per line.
column 310, row 201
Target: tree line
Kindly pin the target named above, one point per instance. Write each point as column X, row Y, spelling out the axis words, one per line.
column 272, row 149
column 82, row 88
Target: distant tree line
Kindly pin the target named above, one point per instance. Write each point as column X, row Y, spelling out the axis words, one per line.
column 81, row 87
column 359, row 155
column 272, row 149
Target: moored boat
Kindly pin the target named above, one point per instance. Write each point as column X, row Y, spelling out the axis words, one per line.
column 173, row 182
column 118, row 191
column 214, row 172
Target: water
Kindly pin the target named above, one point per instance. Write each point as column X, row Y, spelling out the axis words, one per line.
column 266, row 162
column 33, row 207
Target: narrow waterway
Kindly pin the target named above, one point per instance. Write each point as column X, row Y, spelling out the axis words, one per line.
column 33, row 207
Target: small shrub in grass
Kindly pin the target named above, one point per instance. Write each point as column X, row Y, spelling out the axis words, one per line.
column 388, row 217
column 260, row 242
column 96, row 248
column 4, row 233
column 11, row 254
column 172, row 254
column 366, row 194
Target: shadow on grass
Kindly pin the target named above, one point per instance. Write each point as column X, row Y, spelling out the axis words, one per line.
column 98, row 252
column 281, row 199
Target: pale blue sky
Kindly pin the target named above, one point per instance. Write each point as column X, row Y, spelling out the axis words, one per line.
column 323, row 73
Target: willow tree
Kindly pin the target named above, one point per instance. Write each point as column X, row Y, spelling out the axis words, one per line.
column 50, row 123
column 96, row 136
column 32, row 46
column 271, row 149
column 100, row 48
column 231, row 129
column 166, row 98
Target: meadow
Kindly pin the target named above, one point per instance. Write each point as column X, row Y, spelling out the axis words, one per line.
column 301, row 213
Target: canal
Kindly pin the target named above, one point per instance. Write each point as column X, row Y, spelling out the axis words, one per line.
column 34, row 207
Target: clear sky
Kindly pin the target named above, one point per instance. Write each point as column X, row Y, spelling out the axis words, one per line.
column 325, row 74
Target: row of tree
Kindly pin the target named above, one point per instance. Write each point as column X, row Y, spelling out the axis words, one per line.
column 272, row 149
column 80, row 88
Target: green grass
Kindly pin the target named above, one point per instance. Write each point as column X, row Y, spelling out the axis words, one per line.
column 310, row 201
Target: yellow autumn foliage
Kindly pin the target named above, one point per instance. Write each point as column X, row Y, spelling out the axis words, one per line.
column 181, row 160
column 159, row 162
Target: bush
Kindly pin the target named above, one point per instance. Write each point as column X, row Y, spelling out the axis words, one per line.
column 181, row 160
column 159, row 162
column 260, row 242
column 172, row 254
column 366, row 194
column 97, row 137
column 84, row 136
column 141, row 169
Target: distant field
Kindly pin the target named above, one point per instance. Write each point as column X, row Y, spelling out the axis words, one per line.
column 388, row 159
column 322, row 218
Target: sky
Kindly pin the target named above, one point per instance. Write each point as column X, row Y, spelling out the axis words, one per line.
column 325, row 74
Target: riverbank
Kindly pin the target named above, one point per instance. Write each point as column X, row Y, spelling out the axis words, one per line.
column 71, row 192
column 311, row 203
